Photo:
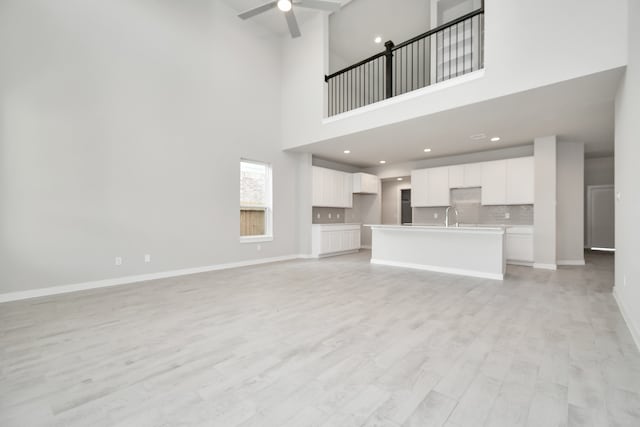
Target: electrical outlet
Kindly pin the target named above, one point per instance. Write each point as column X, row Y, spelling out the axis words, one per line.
column 507, row 215
column 329, row 215
column 259, row 247
column 338, row 216
column 435, row 215
column 118, row 260
column 147, row 258
column 318, row 215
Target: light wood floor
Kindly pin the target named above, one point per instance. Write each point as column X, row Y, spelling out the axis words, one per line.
column 335, row 342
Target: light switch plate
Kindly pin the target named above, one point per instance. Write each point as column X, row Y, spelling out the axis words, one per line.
column 435, row 215
column 507, row 215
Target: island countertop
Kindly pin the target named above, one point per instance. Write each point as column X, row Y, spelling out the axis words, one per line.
column 440, row 228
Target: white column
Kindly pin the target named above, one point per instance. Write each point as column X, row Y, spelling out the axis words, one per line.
column 570, row 207
column 544, row 211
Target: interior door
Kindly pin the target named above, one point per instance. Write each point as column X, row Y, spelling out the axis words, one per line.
column 601, row 216
column 406, row 212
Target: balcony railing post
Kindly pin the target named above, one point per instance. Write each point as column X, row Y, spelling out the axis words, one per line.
column 389, row 69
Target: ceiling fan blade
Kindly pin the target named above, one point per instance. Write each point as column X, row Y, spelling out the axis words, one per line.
column 258, row 10
column 292, row 22
column 329, row 6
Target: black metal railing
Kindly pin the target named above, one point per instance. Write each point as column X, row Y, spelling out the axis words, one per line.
column 445, row 52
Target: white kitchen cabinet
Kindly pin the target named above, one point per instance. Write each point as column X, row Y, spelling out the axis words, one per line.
column 473, row 175
column 430, row 187
column 520, row 181
column 456, row 176
column 419, row 187
column 365, row 183
column 334, row 239
column 494, row 178
column 438, row 193
column 331, row 188
column 519, row 245
column 465, row 176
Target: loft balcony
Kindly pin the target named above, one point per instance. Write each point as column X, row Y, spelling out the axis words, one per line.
column 443, row 53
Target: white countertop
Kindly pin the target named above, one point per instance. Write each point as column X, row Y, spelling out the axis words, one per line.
column 439, row 228
column 337, row 224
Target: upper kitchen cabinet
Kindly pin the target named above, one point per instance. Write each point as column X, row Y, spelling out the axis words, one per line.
column 508, row 182
column 331, row 188
column 430, row 187
column 465, row 176
column 364, row 183
column 494, row 187
column 520, row 181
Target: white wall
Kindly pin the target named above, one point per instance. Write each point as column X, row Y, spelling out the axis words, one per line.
column 627, row 176
column 597, row 171
column 123, row 123
column 391, row 198
column 519, row 37
column 570, row 207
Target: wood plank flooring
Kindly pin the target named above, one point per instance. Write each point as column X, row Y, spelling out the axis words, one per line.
column 335, row 342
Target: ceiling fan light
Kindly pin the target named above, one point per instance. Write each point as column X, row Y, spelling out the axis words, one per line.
column 284, row 5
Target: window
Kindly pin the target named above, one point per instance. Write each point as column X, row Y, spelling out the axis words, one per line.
column 255, row 201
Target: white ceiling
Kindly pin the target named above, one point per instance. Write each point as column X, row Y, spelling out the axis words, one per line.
column 576, row 110
column 353, row 28
column 273, row 20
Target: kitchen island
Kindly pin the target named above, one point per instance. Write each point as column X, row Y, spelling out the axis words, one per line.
column 468, row 251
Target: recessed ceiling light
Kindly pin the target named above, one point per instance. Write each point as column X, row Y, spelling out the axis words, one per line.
column 427, row 150
column 284, row 5
column 382, row 162
column 347, row 151
column 378, row 40
column 399, row 179
column 495, row 139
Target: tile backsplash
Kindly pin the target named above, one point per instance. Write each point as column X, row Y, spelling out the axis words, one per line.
column 470, row 211
column 328, row 215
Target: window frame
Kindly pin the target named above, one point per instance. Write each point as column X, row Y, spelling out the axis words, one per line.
column 268, row 207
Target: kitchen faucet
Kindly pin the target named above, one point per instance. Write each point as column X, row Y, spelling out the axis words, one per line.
column 446, row 216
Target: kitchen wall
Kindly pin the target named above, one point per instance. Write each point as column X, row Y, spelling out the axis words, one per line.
column 329, row 215
column 121, row 136
column 470, row 211
column 597, row 171
column 627, row 176
column 391, row 199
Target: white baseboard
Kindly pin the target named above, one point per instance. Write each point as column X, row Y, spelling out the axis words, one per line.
column 545, row 266
column 55, row 290
column 365, row 247
column 571, row 262
column 457, row 271
column 521, row 263
column 625, row 315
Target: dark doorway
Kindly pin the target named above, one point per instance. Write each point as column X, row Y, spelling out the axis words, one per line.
column 406, row 214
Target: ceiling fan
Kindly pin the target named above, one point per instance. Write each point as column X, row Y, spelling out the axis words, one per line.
column 286, row 6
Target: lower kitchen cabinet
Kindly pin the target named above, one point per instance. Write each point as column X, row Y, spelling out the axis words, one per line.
column 334, row 239
column 519, row 245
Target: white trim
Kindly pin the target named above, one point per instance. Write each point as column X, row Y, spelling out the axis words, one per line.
column 457, row 271
column 635, row 334
column 365, row 247
column 545, row 266
column 521, row 263
column 571, row 262
column 330, row 254
column 55, row 290
column 256, row 239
